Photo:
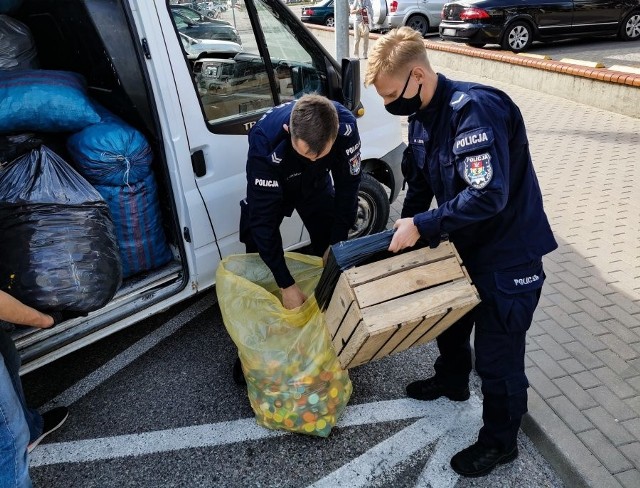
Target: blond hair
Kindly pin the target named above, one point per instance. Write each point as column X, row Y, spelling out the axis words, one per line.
column 314, row 120
column 394, row 51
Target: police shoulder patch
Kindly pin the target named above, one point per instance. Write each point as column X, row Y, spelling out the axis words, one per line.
column 354, row 165
column 477, row 170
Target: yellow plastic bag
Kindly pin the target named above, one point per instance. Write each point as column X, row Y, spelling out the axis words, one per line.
column 294, row 379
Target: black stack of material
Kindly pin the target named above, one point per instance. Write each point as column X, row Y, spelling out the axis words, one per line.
column 347, row 254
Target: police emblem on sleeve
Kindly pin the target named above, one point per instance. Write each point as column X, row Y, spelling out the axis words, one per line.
column 354, row 165
column 478, row 170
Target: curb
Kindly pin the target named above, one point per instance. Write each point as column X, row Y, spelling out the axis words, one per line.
column 564, row 67
column 575, row 464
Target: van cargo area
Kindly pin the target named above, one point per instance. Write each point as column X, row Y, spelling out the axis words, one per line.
column 146, row 105
column 67, row 37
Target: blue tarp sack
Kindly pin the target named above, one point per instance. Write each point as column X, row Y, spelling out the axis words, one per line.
column 44, row 101
column 110, row 152
column 136, row 214
column 58, row 247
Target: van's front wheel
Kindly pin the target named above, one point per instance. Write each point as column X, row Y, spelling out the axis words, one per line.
column 373, row 208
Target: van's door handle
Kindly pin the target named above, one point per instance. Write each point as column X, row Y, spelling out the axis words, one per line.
column 198, row 163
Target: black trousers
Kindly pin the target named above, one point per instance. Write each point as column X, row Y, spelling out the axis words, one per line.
column 317, row 214
column 501, row 320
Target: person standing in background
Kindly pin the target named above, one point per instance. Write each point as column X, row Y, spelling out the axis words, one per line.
column 363, row 12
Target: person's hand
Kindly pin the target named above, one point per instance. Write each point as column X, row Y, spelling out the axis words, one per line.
column 292, row 297
column 406, row 235
column 43, row 321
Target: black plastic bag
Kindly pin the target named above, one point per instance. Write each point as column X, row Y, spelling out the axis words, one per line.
column 58, row 249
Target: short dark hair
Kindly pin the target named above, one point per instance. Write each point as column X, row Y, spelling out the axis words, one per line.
column 314, row 120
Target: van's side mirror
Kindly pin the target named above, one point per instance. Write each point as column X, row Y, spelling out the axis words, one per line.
column 351, row 83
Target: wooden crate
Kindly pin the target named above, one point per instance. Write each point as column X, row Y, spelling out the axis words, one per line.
column 400, row 302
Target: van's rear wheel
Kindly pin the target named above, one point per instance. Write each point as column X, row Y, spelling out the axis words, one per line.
column 373, row 208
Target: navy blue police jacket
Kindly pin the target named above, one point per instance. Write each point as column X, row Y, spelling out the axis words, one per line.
column 280, row 180
column 469, row 149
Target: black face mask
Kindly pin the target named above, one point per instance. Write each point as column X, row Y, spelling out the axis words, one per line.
column 405, row 106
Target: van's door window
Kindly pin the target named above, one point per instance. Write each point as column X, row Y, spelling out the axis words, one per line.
column 230, row 73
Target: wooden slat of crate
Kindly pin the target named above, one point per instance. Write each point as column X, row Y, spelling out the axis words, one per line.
column 342, row 316
column 385, row 343
column 431, row 301
column 406, row 329
column 399, row 284
column 440, row 327
column 375, row 335
column 396, row 264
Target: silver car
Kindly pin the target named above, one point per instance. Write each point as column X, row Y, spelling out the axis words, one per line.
column 420, row 15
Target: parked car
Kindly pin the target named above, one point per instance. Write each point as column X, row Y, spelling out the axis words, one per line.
column 198, row 48
column 215, row 29
column 194, row 15
column 515, row 24
column 420, row 15
column 321, row 13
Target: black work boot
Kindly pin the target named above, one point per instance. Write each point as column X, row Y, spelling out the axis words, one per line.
column 478, row 459
column 432, row 388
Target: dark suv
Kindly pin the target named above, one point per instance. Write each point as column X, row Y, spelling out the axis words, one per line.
column 210, row 29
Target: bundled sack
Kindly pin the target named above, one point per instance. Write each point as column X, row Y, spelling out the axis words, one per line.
column 294, row 380
column 138, row 224
column 110, row 152
column 17, row 49
column 58, row 245
column 44, row 101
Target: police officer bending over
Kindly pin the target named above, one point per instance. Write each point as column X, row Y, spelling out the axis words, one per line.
column 468, row 147
column 292, row 150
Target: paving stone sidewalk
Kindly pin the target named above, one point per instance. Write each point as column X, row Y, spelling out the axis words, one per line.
column 583, row 353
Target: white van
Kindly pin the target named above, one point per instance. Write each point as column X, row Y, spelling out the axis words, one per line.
column 136, row 66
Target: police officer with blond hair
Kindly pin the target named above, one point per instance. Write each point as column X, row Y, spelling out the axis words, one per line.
column 468, row 148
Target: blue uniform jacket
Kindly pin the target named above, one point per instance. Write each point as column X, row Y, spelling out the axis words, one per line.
column 279, row 180
column 469, row 149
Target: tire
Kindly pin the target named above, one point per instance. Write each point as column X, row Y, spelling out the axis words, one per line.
column 477, row 44
column 517, row 37
column 330, row 21
column 630, row 28
column 373, row 208
column 418, row 23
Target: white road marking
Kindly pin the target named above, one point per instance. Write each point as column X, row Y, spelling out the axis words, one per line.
column 126, row 357
column 437, row 473
column 223, row 433
column 385, row 456
column 626, row 57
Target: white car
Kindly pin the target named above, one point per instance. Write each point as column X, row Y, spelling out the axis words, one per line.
column 196, row 48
